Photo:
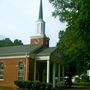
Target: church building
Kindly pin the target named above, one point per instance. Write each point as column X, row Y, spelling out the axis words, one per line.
column 35, row 61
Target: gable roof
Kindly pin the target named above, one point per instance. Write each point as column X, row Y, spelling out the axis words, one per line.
column 30, row 50
column 17, row 50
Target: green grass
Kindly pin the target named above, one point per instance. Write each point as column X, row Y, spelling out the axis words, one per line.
column 80, row 86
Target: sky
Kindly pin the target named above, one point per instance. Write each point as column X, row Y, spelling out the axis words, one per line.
column 18, row 20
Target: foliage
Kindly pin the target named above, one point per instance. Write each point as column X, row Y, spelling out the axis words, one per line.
column 48, row 86
column 8, row 42
column 77, row 79
column 33, row 85
column 36, row 85
column 72, row 48
column 43, row 86
column 17, row 42
column 84, row 78
column 74, row 41
column 23, row 83
column 65, row 9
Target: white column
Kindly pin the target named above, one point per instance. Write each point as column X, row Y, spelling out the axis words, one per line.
column 54, row 65
column 48, row 70
column 34, row 70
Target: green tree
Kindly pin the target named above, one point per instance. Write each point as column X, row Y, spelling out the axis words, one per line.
column 8, row 42
column 74, row 41
column 18, row 42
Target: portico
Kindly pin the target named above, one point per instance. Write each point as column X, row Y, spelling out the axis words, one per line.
column 48, row 67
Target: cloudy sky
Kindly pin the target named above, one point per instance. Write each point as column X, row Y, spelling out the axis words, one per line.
column 18, row 20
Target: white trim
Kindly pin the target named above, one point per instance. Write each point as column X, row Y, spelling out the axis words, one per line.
column 1, row 79
column 24, row 56
column 8, row 57
column 48, row 70
column 38, row 36
column 43, row 58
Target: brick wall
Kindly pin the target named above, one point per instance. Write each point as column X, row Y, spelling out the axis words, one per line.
column 43, row 41
column 11, row 70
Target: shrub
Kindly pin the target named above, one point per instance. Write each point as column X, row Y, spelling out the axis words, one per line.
column 36, row 85
column 23, row 83
column 77, row 79
column 48, row 86
column 43, row 86
column 84, row 78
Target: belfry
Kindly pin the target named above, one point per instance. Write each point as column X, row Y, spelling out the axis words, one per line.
column 40, row 37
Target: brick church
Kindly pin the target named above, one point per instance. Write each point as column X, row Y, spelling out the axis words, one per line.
column 35, row 61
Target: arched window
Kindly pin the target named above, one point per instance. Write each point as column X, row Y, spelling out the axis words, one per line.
column 20, row 70
column 1, row 71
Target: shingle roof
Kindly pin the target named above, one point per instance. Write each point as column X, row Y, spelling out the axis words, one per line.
column 26, row 49
column 17, row 50
column 46, row 51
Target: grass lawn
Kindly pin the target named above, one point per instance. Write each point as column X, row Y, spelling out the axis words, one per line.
column 80, row 86
column 76, row 86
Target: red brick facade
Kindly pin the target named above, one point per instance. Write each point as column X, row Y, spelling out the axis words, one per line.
column 11, row 70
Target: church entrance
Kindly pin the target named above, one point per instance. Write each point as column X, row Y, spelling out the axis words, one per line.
column 41, row 70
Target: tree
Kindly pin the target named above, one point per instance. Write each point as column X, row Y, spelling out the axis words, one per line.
column 18, row 42
column 65, row 9
column 74, row 41
column 8, row 42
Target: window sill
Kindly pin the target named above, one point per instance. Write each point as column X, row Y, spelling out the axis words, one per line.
column 1, row 79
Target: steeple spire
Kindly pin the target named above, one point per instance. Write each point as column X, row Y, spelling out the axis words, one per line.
column 40, row 22
column 40, row 10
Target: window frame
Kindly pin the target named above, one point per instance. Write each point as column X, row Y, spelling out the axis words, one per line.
column 21, row 70
column 1, row 71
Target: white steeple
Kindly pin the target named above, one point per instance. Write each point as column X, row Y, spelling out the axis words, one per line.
column 40, row 22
